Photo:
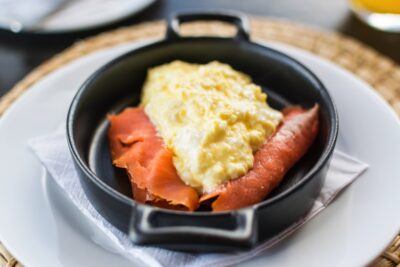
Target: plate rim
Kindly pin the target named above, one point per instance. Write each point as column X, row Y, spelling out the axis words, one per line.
column 43, row 31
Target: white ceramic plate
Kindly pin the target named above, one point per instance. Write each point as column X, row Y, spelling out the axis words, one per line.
column 86, row 14
column 41, row 228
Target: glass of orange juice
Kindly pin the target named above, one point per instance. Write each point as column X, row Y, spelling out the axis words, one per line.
column 380, row 14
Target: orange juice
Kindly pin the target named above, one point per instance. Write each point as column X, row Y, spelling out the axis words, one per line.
column 383, row 15
column 379, row 6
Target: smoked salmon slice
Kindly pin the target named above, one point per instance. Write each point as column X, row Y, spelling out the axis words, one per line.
column 271, row 162
column 136, row 147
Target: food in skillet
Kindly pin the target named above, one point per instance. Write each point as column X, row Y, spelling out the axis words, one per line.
column 204, row 134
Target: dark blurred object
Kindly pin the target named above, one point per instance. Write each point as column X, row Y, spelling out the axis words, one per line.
column 21, row 53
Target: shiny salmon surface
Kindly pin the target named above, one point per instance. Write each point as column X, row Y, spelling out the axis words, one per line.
column 278, row 154
column 136, row 147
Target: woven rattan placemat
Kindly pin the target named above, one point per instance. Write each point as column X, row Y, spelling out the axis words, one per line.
column 377, row 70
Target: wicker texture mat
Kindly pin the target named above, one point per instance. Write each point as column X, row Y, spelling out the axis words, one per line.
column 377, row 70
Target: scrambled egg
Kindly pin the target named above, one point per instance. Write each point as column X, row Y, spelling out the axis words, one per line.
column 211, row 117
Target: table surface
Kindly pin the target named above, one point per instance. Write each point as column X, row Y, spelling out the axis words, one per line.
column 19, row 54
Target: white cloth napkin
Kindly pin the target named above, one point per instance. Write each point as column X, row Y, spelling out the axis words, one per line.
column 53, row 152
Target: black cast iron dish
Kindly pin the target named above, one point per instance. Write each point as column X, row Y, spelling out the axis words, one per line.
column 119, row 84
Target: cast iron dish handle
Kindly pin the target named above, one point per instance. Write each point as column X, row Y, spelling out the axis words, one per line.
column 239, row 20
column 154, row 225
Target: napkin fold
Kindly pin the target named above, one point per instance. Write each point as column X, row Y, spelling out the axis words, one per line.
column 52, row 150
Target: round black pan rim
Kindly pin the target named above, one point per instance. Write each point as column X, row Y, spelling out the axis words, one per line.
column 322, row 161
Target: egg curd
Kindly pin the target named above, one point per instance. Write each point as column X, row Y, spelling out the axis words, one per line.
column 211, row 117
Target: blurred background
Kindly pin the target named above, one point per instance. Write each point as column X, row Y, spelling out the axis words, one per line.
column 23, row 48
